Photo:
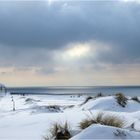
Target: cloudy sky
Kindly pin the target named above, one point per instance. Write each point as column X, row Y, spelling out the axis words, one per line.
column 70, row 43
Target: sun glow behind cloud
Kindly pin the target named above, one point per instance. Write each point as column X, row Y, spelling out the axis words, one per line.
column 49, row 2
column 76, row 51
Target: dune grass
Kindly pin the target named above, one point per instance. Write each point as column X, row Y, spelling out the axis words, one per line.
column 121, row 99
column 86, row 100
column 90, row 97
column 103, row 120
column 99, row 95
column 135, row 99
column 59, row 132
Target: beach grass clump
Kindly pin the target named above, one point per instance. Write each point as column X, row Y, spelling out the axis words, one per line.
column 89, row 121
column 103, row 120
column 92, row 97
column 113, row 121
column 54, row 108
column 86, row 123
column 59, row 132
column 86, row 100
column 99, row 95
column 121, row 99
column 135, row 98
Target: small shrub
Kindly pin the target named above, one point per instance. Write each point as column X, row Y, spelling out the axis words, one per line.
column 121, row 99
column 87, row 99
column 99, row 95
column 103, row 120
column 135, row 99
column 59, row 132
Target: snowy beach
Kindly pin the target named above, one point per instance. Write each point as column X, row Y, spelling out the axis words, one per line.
column 35, row 115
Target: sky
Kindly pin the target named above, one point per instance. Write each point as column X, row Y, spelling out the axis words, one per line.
column 70, row 43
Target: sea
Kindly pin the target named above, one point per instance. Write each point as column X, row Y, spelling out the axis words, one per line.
column 74, row 90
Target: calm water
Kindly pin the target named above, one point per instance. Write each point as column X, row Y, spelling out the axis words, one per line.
column 127, row 90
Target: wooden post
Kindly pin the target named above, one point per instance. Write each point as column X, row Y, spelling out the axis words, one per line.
column 13, row 103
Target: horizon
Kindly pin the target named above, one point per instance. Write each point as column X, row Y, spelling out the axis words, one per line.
column 72, row 86
column 69, row 43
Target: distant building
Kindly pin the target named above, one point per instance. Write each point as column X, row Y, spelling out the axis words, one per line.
column 2, row 88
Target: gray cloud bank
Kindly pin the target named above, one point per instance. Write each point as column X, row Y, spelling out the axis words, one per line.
column 31, row 31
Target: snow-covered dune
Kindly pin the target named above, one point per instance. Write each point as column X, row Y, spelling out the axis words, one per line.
column 34, row 116
column 106, row 132
column 109, row 103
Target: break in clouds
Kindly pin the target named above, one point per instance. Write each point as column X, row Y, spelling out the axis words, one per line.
column 51, row 37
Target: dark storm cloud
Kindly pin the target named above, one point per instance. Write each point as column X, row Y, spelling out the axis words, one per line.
column 36, row 24
column 39, row 25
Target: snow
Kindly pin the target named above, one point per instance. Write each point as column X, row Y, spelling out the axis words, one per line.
column 109, row 103
column 35, row 114
column 32, row 118
column 106, row 132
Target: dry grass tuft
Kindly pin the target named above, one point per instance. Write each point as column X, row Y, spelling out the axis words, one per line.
column 86, row 100
column 99, row 95
column 103, row 120
column 86, row 123
column 113, row 121
column 59, row 132
column 121, row 99
column 90, row 97
column 135, row 99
